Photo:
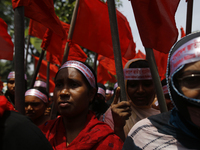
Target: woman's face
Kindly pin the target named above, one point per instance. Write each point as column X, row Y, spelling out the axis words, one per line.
column 190, row 86
column 71, row 93
column 141, row 92
column 11, row 86
column 34, row 107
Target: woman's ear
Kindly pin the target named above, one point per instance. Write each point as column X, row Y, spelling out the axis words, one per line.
column 92, row 94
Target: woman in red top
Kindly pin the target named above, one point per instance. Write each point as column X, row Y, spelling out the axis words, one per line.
column 77, row 127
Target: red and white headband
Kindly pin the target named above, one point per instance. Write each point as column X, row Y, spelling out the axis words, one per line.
column 108, row 91
column 165, row 89
column 83, row 68
column 137, row 74
column 38, row 94
column 187, row 53
column 39, row 83
column 12, row 75
column 101, row 91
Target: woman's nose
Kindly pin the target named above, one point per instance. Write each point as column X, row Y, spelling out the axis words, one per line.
column 29, row 107
column 140, row 88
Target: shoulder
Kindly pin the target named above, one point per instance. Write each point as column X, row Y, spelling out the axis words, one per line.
column 21, row 133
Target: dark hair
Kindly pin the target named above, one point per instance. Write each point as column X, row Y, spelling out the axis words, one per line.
column 139, row 64
column 101, row 86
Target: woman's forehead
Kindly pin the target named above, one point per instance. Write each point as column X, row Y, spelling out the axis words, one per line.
column 68, row 72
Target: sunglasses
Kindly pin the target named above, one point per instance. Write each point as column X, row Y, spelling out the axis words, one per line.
column 190, row 81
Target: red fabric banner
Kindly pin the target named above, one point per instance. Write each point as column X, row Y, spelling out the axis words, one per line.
column 55, row 44
column 43, row 12
column 182, row 32
column 156, row 23
column 161, row 62
column 43, row 68
column 140, row 55
column 92, row 30
column 6, row 44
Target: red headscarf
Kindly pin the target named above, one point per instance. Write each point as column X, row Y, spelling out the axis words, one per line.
column 95, row 135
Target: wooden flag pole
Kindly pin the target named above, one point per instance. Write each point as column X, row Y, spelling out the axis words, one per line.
column 47, row 81
column 156, row 79
column 189, row 17
column 116, row 48
column 19, row 59
column 71, row 30
column 37, row 69
column 25, row 63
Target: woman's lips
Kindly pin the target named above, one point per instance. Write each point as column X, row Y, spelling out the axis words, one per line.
column 64, row 104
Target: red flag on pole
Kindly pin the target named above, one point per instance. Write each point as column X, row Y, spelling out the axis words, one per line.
column 43, row 12
column 56, row 44
column 156, row 23
column 43, row 68
column 103, row 75
column 140, row 55
column 92, row 30
column 182, row 32
column 6, row 44
column 161, row 62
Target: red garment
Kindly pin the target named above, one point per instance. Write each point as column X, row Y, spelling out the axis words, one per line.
column 156, row 23
column 96, row 135
column 5, row 105
column 92, row 30
column 6, row 44
column 43, row 12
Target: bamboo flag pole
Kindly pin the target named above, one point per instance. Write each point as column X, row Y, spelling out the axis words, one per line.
column 19, row 59
column 71, row 30
column 116, row 48
column 189, row 16
column 156, row 79
column 37, row 69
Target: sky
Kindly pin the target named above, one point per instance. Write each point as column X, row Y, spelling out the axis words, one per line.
column 180, row 18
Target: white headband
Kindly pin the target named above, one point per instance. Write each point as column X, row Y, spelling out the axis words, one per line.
column 137, row 74
column 39, row 83
column 40, row 95
column 165, row 89
column 12, row 75
column 83, row 68
column 101, row 91
column 108, row 91
column 116, row 85
column 187, row 53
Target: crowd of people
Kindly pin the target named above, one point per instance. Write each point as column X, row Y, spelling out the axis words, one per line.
column 92, row 116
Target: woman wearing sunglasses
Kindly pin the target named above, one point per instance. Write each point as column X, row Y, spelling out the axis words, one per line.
column 179, row 128
column 77, row 127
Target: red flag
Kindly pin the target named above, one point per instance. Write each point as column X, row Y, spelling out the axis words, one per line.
column 156, row 23
column 52, row 59
column 103, row 75
column 43, row 68
column 55, row 44
column 182, row 32
column 36, row 29
column 109, row 64
column 6, row 44
column 43, row 12
column 92, row 30
column 140, row 55
column 161, row 62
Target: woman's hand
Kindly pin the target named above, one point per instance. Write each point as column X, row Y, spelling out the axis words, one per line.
column 121, row 111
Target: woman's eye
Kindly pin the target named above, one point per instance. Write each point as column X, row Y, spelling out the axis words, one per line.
column 58, row 84
column 74, row 84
